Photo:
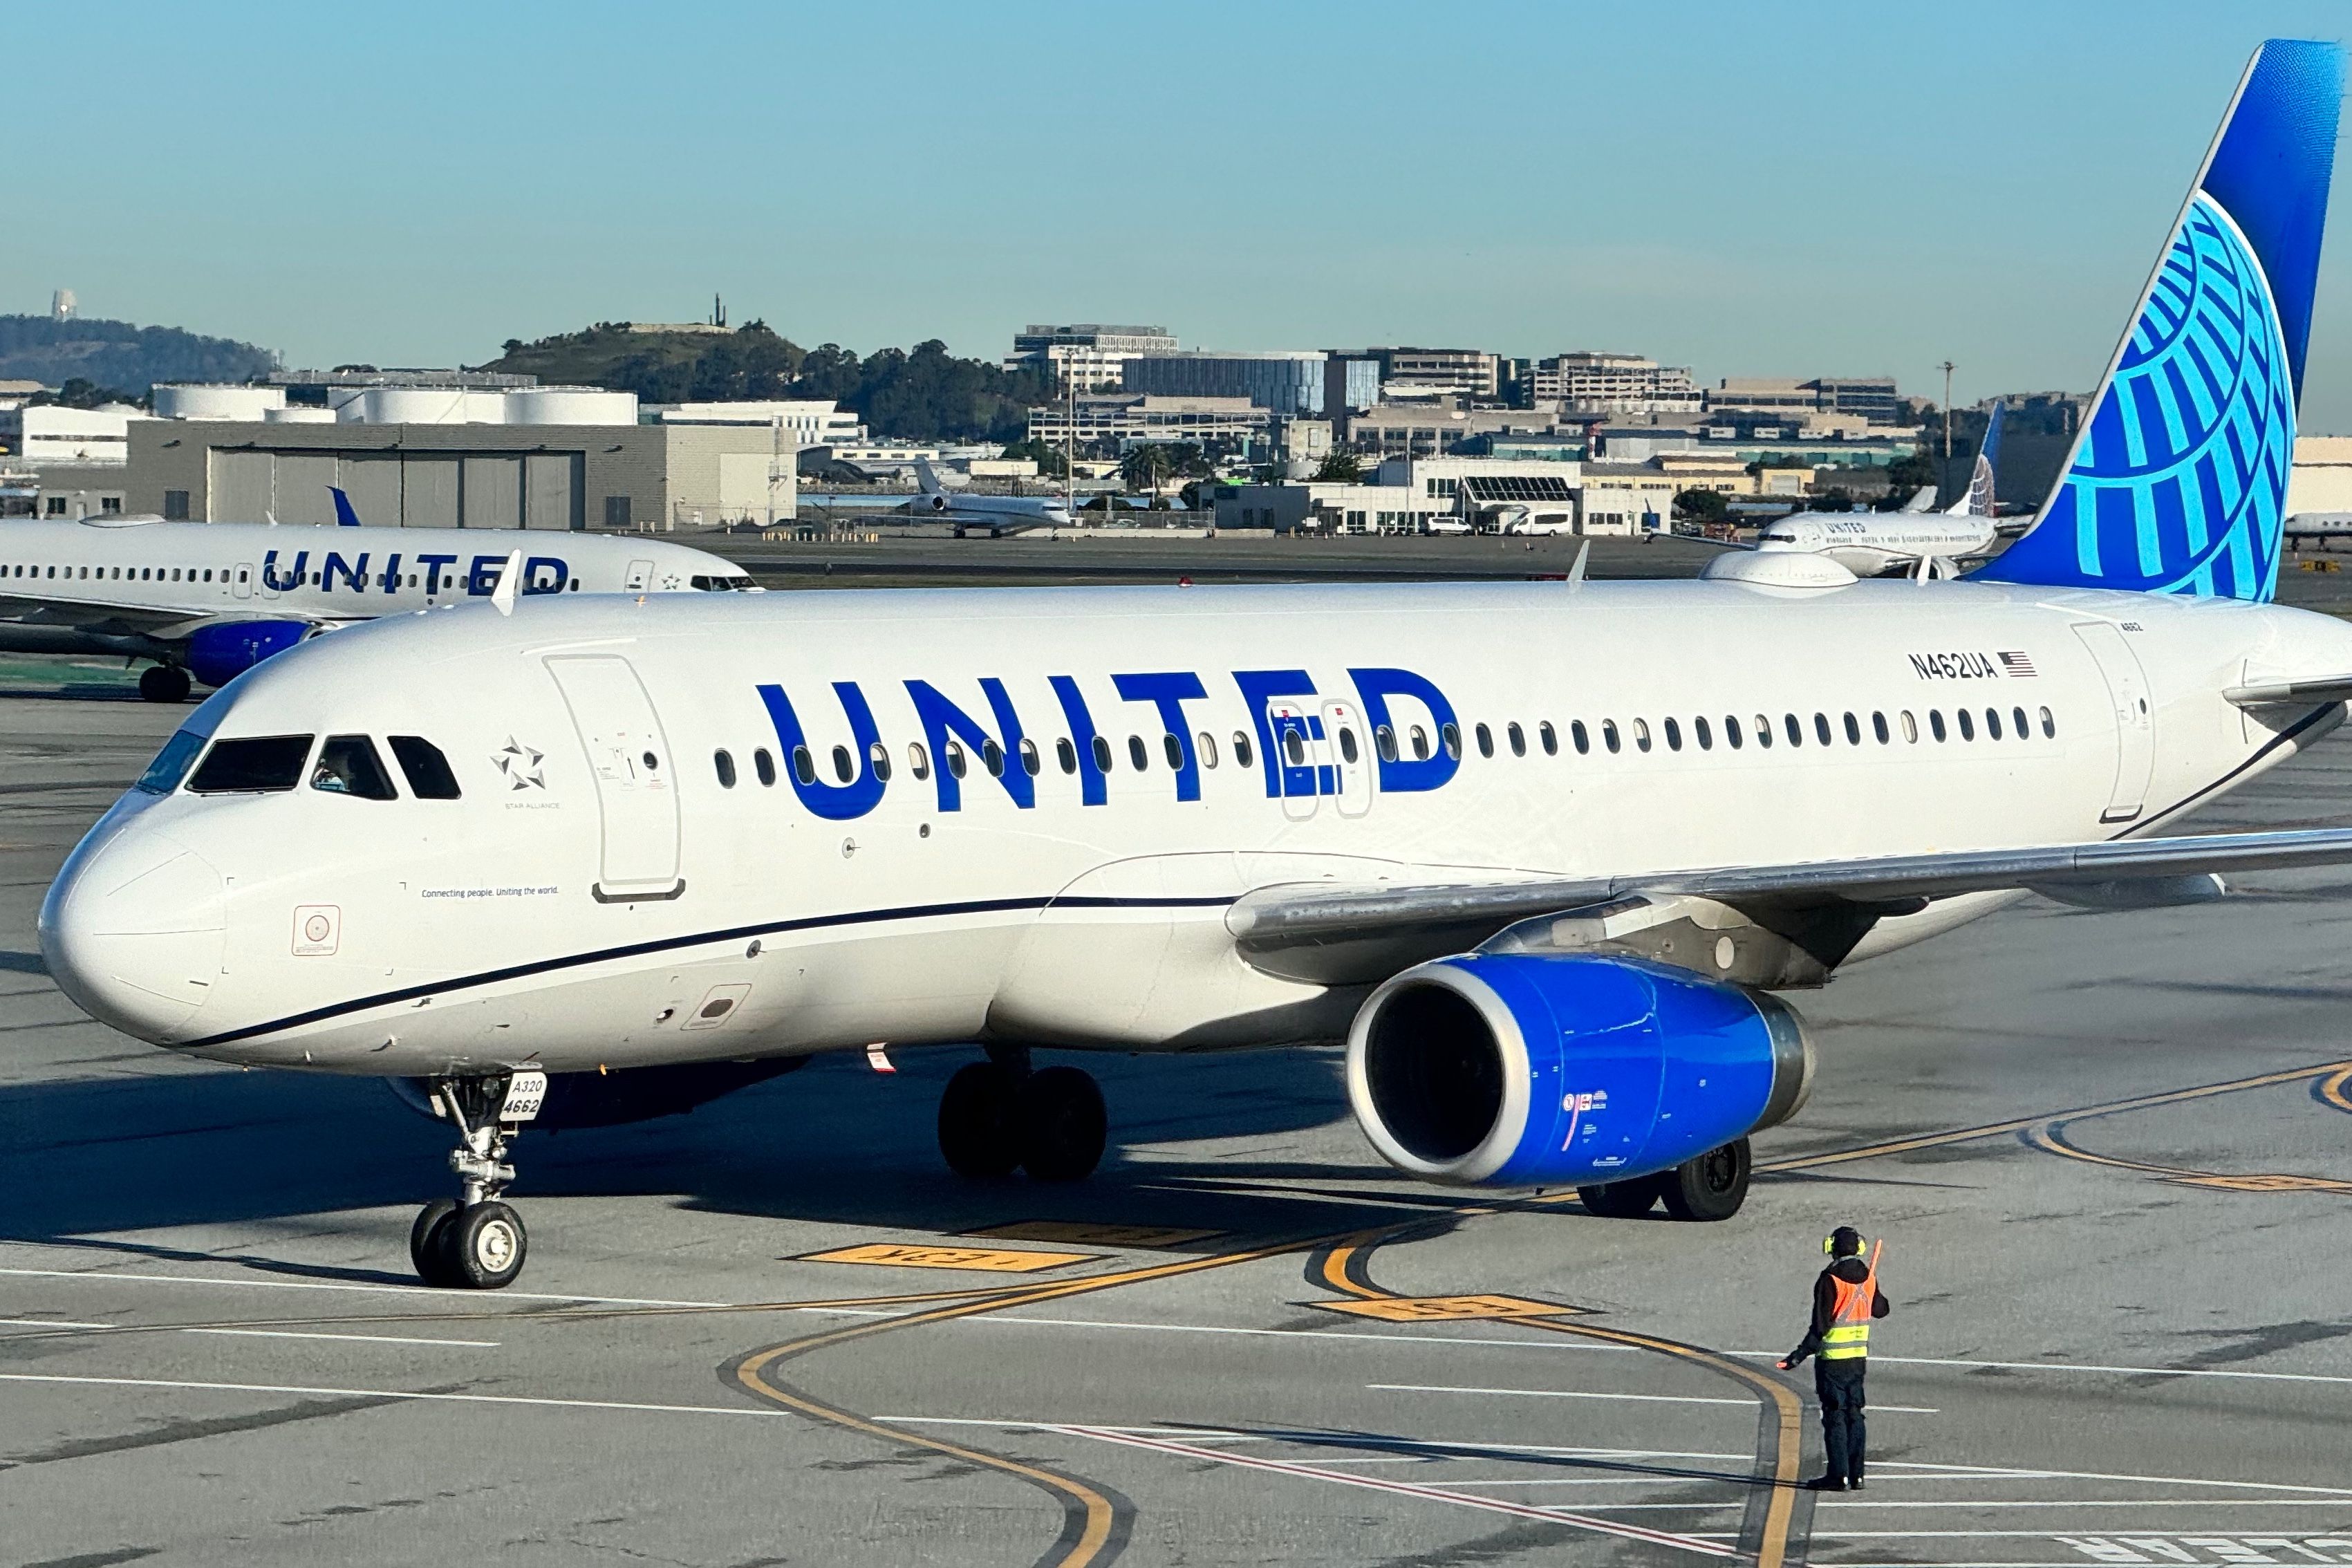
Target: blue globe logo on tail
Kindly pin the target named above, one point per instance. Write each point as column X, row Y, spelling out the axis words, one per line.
column 2177, row 483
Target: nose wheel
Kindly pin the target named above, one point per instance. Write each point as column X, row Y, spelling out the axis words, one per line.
column 997, row 1115
column 475, row 1241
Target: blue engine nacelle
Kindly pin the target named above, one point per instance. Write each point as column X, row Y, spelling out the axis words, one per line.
column 218, row 654
column 1519, row 1070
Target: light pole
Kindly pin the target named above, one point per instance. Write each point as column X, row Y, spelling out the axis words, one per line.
column 1947, row 411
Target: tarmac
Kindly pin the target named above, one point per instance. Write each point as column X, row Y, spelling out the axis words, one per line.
column 2110, row 1156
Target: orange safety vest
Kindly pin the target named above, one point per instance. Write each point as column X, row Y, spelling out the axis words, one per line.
column 1849, row 1335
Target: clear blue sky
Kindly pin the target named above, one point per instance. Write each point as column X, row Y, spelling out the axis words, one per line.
column 1747, row 189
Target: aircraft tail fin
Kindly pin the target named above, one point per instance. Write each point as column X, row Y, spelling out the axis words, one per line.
column 1922, row 500
column 344, row 515
column 2178, row 482
column 1980, row 501
column 927, row 479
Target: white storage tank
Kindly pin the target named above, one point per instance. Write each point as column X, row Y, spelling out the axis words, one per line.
column 294, row 413
column 217, row 402
column 405, row 406
column 571, row 406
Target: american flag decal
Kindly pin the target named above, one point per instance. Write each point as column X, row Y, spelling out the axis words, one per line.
column 2018, row 665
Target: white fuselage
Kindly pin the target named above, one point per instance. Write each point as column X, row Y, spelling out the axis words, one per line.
column 76, row 572
column 959, row 504
column 600, row 896
column 1869, row 542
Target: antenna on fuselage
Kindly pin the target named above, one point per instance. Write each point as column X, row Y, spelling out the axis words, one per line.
column 509, row 580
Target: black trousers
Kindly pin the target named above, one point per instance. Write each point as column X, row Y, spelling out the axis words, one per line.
column 1839, row 1385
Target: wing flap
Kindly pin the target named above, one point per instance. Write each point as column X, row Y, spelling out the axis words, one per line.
column 2273, row 693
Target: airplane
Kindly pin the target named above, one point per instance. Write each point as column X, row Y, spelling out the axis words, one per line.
column 207, row 601
column 1871, row 543
column 992, row 514
column 578, row 860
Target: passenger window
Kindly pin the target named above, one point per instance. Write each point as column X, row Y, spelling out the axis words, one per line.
column 725, row 765
column 424, row 766
column 1205, row 745
column 1968, row 725
column 2018, row 726
column 348, row 765
column 1641, row 735
column 1796, row 731
column 267, row 763
column 803, row 765
column 918, row 761
column 1705, row 732
column 1294, row 749
column 1764, row 730
column 1731, row 731
column 1910, row 726
column 765, row 766
column 1608, row 736
column 1674, row 735
column 1385, row 742
column 1450, row 737
column 879, row 755
column 843, row 768
column 1852, row 732
column 1822, row 728
column 1519, row 739
column 1102, row 753
column 954, row 757
column 2048, row 725
column 1878, row 728
column 1242, row 749
column 1030, row 762
column 1486, row 741
column 1174, row 750
column 1066, row 754
column 1420, row 745
column 171, row 764
column 991, row 757
column 1137, row 755
column 1993, row 723
column 1550, row 737
column 1936, row 722
column 1348, row 750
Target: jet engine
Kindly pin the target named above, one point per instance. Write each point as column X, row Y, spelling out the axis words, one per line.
column 1499, row 1069
column 219, row 652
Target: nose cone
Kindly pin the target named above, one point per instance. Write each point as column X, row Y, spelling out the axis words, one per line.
column 133, row 931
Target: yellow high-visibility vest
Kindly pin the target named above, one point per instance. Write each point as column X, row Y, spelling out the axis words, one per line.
column 1849, row 1334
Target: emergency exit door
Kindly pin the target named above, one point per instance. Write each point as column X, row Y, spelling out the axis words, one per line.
column 2134, row 718
column 629, row 759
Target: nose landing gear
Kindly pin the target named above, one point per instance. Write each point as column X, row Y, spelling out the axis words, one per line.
column 476, row 1242
column 998, row 1114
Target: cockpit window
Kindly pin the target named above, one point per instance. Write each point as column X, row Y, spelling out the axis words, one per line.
column 348, row 765
column 734, row 584
column 427, row 770
column 171, row 764
column 265, row 763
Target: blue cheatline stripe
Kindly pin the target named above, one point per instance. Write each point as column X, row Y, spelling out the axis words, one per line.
column 697, row 939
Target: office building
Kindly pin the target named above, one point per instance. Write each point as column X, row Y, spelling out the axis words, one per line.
column 1429, row 430
column 1279, row 382
column 1870, row 397
column 1086, row 355
column 1116, row 422
column 1594, row 382
column 808, row 421
column 40, row 434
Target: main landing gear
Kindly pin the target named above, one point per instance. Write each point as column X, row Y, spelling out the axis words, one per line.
column 1710, row 1187
column 474, row 1241
column 163, row 683
column 999, row 1114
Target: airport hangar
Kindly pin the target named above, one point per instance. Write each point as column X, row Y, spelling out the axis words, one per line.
column 432, row 475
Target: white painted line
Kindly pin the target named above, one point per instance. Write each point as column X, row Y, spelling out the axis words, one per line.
column 1639, row 1398
column 394, row 1394
column 353, row 1339
column 1440, row 1448
column 50, row 1323
column 101, row 1277
column 1404, row 1489
column 2334, row 1501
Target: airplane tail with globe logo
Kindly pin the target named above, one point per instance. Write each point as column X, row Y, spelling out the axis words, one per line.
column 2177, row 483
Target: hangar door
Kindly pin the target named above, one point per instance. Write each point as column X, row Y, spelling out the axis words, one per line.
column 553, row 494
column 254, row 486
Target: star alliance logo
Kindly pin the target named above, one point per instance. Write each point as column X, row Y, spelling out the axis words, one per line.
column 520, row 764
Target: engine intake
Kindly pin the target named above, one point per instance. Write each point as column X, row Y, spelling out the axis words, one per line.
column 1512, row 1069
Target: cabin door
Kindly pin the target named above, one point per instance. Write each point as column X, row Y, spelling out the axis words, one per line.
column 636, row 789
column 2134, row 718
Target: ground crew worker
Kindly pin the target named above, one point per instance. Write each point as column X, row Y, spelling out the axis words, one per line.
column 1845, row 1299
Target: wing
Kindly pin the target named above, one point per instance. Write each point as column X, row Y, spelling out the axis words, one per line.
column 1349, row 935
column 159, row 621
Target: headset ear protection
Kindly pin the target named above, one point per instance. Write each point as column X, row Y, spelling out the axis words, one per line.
column 1829, row 1246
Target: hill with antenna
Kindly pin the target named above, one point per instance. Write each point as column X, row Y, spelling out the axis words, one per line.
column 122, row 355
